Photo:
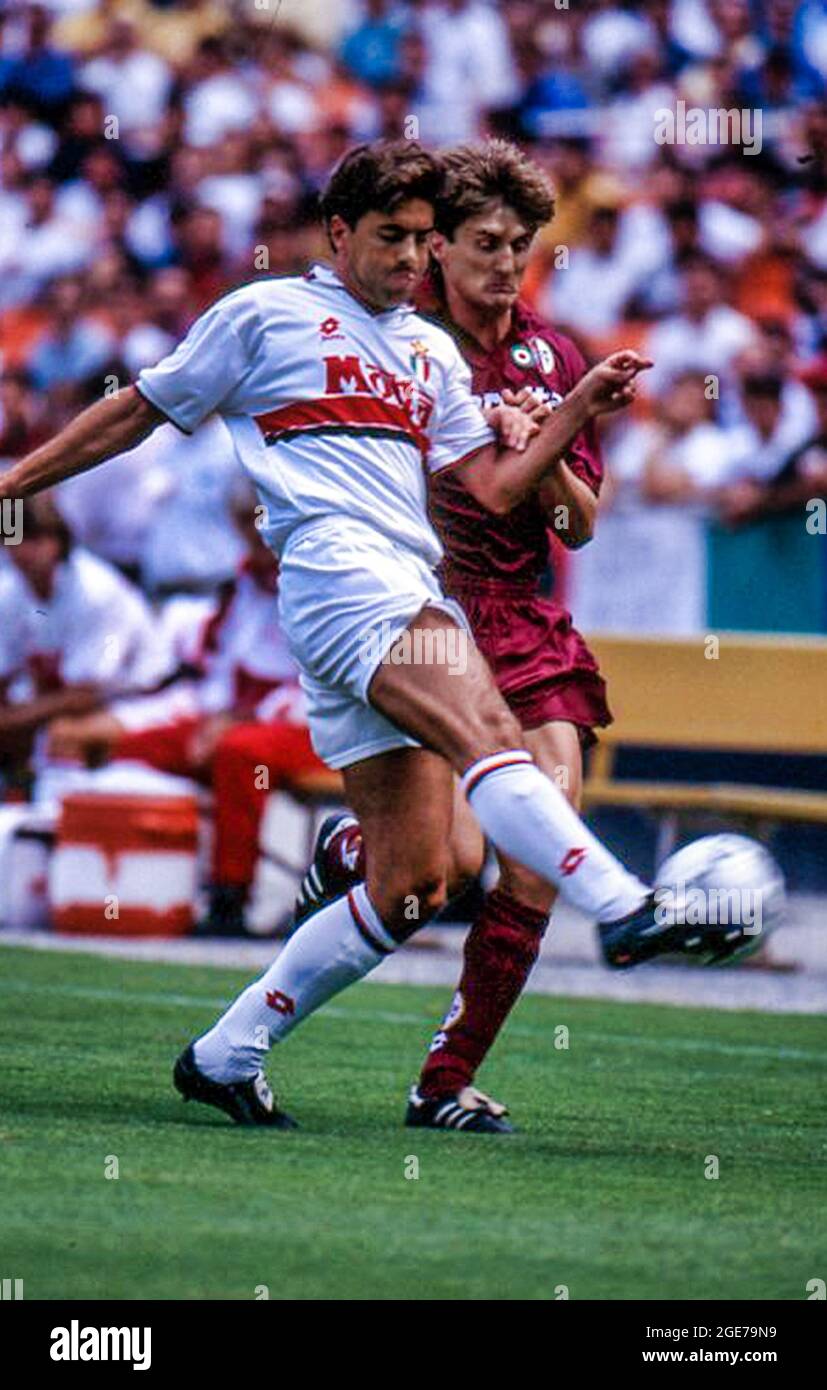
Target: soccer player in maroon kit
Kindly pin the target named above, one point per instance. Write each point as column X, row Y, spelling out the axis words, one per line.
column 495, row 200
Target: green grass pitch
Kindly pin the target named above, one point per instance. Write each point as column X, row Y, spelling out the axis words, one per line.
column 603, row 1191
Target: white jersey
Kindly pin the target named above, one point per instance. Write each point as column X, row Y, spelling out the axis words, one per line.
column 335, row 409
column 96, row 627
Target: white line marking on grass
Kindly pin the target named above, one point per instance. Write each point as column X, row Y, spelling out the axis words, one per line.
column 116, row 996
column 200, row 1001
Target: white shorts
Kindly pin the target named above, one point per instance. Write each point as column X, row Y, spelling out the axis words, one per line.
column 345, row 594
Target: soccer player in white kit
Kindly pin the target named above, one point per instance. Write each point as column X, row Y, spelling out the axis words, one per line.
column 339, row 397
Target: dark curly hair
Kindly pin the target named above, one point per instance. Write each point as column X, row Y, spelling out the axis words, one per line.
column 377, row 178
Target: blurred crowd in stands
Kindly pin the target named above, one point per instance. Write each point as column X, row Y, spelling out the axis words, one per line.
column 152, row 155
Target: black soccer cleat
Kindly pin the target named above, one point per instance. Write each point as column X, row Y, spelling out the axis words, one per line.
column 247, row 1102
column 469, row 1110
column 332, row 871
column 717, row 943
column 638, row 937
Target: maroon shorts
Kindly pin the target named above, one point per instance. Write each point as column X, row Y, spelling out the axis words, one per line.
column 540, row 662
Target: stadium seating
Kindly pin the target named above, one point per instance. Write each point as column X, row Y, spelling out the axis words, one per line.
column 720, row 693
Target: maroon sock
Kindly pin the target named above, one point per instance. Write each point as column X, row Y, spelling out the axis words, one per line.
column 500, row 950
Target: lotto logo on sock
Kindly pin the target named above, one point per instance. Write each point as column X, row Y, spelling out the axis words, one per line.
column 572, row 861
column 282, row 1003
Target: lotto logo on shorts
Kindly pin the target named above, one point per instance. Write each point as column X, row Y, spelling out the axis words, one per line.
column 282, row 1003
column 572, row 861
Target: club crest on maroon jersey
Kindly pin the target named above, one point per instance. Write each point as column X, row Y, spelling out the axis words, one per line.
column 544, row 355
column 521, row 355
column 536, row 352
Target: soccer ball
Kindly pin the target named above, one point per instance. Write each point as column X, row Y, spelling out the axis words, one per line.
column 724, row 893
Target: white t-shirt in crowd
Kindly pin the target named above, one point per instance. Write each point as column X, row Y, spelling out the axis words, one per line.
column 192, row 542
column 136, row 89
column 237, row 645
column 249, row 656
column 679, row 344
column 96, row 627
column 645, row 570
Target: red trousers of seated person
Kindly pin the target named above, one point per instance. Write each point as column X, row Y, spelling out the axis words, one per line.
column 284, row 749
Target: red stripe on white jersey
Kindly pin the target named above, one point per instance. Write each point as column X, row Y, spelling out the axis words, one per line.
column 342, row 411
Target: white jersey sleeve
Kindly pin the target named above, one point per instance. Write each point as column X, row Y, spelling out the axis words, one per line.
column 207, row 365
column 459, row 426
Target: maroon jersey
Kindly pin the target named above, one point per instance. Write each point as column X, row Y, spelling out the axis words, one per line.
column 540, row 662
column 515, row 547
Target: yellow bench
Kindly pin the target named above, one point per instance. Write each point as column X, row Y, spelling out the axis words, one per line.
column 757, row 695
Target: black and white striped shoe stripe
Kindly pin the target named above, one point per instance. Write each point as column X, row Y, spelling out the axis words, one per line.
column 466, row 1119
column 453, row 1116
column 311, row 889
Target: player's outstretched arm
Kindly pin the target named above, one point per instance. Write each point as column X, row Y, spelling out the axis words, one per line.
column 109, row 427
column 569, row 504
column 501, row 479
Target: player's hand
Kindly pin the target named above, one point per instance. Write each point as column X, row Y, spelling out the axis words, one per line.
column 610, row 385
column 529, row 403
column 78, row 738
column 514, row 427
column 64, row 739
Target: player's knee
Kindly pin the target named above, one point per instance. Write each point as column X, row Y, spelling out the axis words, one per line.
column 406, row 903
column 465, row 866
column 498, row 729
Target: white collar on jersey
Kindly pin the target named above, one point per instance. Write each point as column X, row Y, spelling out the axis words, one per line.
column 324, row 274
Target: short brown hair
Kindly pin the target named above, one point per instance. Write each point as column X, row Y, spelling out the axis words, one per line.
column 475, row 174
column 377, row 178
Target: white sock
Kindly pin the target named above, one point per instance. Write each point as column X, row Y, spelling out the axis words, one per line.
column 336, row 947
column 528, row 818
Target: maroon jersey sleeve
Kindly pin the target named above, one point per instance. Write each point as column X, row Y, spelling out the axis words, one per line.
column 583, row 457
column 515, row 547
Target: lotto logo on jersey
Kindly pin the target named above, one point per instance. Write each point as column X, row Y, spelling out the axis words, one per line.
column 572, row 860
column 330, row 328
